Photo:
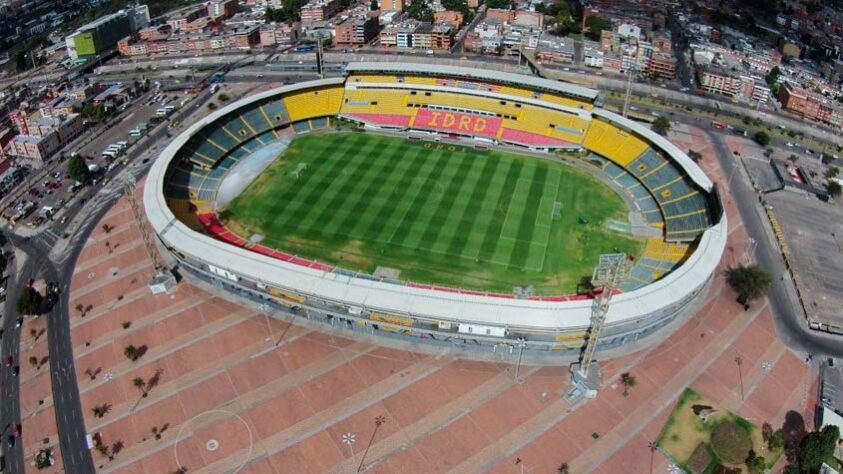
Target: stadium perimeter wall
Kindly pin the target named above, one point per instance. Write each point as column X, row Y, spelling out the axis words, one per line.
column 419, row 311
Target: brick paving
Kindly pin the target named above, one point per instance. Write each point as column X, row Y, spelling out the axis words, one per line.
column 231, row 394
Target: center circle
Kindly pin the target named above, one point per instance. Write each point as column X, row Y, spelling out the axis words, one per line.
column 212, row 445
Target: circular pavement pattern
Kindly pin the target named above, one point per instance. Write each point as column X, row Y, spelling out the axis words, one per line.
column 212, row 445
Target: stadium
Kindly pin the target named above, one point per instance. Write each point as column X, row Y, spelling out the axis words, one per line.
column 445, row 203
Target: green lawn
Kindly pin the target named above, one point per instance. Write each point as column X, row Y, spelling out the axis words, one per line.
column 446, row 215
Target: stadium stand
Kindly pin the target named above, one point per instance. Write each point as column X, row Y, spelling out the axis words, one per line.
column 612, row 142
column 302, row 105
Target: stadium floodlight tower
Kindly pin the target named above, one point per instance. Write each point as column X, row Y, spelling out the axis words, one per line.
column 164, row 280
column 610, row 271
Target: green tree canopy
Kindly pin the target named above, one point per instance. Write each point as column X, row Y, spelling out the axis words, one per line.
column 78, row 170
column 595, row 26
column 762, row 138
column 504, row 4
column 563, row 19
column 833, row 188
column 817, row 447
column 29, row 301
column 420, row 11
column 661, row 125
column 773, row 76
column 373, row 5
column 750, row 282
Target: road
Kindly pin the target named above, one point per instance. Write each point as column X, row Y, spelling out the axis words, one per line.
column 10, row 408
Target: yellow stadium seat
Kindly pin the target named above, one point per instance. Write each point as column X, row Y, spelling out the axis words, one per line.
column 658, row 249
column 302, row 105
column 619, row 146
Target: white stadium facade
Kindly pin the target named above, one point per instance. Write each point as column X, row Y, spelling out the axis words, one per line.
column 520, row 112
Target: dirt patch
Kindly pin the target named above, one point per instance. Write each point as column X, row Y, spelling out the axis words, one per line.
column 700, row 460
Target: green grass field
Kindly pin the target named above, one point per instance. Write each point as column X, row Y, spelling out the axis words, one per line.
column 445, row 215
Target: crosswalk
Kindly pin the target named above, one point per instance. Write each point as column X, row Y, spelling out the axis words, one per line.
column 49, row 237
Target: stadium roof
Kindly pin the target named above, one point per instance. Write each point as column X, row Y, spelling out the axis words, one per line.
column 444, row 70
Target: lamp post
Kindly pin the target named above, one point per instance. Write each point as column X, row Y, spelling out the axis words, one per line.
column 652, row 445
column 379, row 420
column 739, row 362
column 521, row 343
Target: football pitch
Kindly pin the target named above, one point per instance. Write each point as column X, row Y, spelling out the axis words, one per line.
column 440, row 214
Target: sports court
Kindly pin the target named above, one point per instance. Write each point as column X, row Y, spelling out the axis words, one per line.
column 439, row 213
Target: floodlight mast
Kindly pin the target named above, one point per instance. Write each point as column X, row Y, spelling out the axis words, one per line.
column 608, row 274
column 129, row 186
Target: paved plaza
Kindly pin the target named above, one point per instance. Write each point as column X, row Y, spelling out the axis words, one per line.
column 228, row 387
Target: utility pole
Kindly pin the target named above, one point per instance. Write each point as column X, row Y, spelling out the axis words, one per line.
column 630, row 73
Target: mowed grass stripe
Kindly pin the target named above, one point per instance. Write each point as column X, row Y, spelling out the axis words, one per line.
column 493, row 231
column 528, row 219
column 459, row 226
column 431, row 204
column 294, row 203
column 509, row 232
column 370, row 198
column 381, row 168
column 480, row 214
column 340, row 188
column 416, row 206
column 427, row 166
column 370, row 225
column 252, row 208
column 435, row 226
column 544, row 221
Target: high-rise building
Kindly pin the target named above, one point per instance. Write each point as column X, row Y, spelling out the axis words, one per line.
column 98, row 36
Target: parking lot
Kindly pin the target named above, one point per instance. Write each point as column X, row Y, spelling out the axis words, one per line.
column 813, row 231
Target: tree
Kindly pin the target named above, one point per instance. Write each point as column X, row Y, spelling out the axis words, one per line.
column 773, row 76
column 762, row 138
column 628, row 380
column 750, row 282
column 33, row 361
column 499, row 4
column 420, row 11
column 661, row 125
column 100, row 410
column 833, row 188
column 78, row 170
column 140, row 384
column 29, row 301
column 817, row 447
column 223, row 97
column 827, row 158
column 131, row 352
column 373, row 5
column 756, row 464
column 695, row 156
column 563, row 469
column 832, row 172
column 563, row 19
column 212, row 106
column 595, row 26
column 793, row 158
